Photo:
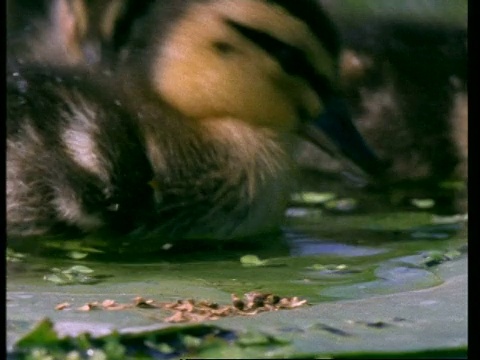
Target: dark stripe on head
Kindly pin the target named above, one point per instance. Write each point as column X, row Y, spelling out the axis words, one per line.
column 292, row 60
column 312, row 13
column 141, row 27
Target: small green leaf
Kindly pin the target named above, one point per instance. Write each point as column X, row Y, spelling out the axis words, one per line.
column 423, row 203
column 260, row 339
column 78, row 269
column 77, row 255
column 43, row 334
column 329, row 267
column 453, row 185
column 453, row 254
column 98, row 355
column 162, row 347
column 317, row 267
column 114, row 349
column 191, row 341
column 312, row 198
column 252, row 260
column 73, row 355
column 433, row 258
column 347, row 204
column 13, row 256
column 56, row 279
column 459, row 218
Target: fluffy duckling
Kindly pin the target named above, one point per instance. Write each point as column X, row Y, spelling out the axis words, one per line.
column 192, row 137
column 46, row 31
column 406, row 83
column 65, row 32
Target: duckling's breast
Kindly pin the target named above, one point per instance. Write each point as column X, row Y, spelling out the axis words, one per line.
column 223, row 180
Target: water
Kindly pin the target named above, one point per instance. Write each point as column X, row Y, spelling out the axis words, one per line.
column 320, row 257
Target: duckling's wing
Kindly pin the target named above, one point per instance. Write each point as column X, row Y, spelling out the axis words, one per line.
column 74, row 158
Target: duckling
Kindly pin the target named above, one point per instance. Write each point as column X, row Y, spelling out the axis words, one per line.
column 192, row 138
column 406, row 83
column 45, row 31
column 64, row 32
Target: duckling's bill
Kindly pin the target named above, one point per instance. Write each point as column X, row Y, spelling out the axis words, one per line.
column 335, row 133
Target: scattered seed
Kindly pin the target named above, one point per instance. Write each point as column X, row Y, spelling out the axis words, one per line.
column 143, row 303
column 190, row 310
column 62, row 306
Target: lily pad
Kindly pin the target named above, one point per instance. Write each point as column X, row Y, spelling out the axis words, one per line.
column 358, row 280
column 434, row 318
column 417, row 321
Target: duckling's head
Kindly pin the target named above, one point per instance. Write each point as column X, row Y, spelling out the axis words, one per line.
column 58, row 32
column 269, row 63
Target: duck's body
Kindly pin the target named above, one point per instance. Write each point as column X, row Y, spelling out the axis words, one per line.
column 191, row 138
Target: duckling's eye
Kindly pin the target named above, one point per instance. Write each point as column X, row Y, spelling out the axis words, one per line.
column 223, row 47
column 292, row 60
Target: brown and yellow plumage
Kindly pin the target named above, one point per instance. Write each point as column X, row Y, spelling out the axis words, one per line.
column 190, row 136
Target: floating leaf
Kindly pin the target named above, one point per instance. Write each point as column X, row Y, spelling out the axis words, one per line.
column 459, row 218
column 191, row 341
column 453, row 185
column 13, row 256
column 252, row 260
column 43, row 334
column 260, row 339
column 308, row 213
column 312, row 198
column 77, row 255
column 57, row 279
column 452, row 254
column 318, row 267
column 78, row 269
column 342, row 205
column 328, row 267
column 423, row 203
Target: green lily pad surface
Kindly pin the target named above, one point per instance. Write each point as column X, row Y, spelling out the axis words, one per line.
column 372, row 287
